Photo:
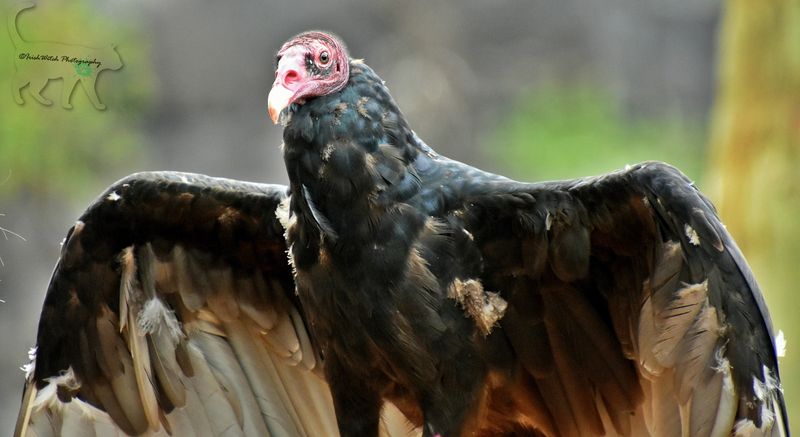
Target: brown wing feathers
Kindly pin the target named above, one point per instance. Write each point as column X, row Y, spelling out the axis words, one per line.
column 619, row 293
column 630, row 309
column 163, row 335
column 561, row 338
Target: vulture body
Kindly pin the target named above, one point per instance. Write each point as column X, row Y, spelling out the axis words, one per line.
column 419, row 295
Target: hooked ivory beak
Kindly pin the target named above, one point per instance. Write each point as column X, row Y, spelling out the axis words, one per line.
column 278, row 99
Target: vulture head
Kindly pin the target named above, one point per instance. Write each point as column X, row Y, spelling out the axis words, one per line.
column 310, row 64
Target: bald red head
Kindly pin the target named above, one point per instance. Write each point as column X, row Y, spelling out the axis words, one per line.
column 310, row 64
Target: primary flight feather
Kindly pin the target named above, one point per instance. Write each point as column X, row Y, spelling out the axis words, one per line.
column 419, row 294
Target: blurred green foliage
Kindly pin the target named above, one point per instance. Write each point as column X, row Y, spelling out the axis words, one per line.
column 51, row 151
column 568, row 131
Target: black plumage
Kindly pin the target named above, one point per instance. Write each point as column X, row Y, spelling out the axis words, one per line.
column 477, row 305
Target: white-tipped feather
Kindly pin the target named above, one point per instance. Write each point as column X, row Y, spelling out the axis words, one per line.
column 780, row 344
column 726, row 411
column 156, row 318
column 283, row 213
column 771, row 414
column 692, row 235
column 771, row 384
column 52, row 417
column 47, row 397
column 30, row 367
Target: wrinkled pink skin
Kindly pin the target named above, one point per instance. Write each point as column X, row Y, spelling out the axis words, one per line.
column 294, row 83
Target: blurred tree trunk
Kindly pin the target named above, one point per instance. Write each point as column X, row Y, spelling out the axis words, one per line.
column 755, row 157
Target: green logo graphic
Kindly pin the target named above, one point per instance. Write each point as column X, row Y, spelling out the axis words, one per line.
column 83, row 69
column 37, row 63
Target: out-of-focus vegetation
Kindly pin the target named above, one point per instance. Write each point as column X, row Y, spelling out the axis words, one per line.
column 566, row 131
column 755, row 156
column 49, row 150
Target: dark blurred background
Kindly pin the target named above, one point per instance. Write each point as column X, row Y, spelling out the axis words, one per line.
column 532, row 89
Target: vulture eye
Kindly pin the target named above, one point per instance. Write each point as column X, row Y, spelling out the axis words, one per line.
column 324, row 57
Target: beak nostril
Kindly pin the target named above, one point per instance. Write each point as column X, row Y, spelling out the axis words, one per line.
column 291, row 76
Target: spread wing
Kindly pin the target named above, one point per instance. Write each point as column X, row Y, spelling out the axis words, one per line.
column 630, row 306
column 172, row 311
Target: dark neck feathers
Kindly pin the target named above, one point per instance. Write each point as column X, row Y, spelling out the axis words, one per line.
column 352, row 150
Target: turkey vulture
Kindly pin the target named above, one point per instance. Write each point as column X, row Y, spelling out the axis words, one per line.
column 473, row 304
